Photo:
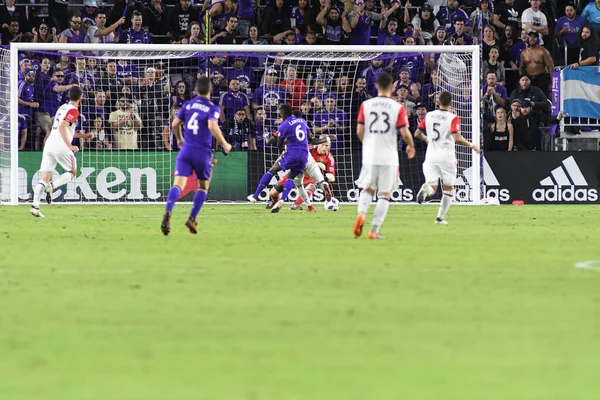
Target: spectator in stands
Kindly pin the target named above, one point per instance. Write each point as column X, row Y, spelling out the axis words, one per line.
column 493, row 65
column 83, row 79
column 332, row 24
column 98, row 108
column 370, row 74
column 357, row 24
column 154, row 108
column 527, row 135
column 300, row 18
column 216, row 74
column 414, row 63
column 591, row 14
column 459, row 37
column 402, row 98
column 440, row 36
column 127, row 72
column 233, row 100
column 360, row 94
column 94, row 68
column 588, row 44
column 506, row 14
column 220, row 12
column 9, row 12
column 27, row 104
column 237, row 130
column 88, row 12
column 276, row 18
column 126, row 8
column 244, row 74
column 254, row 36
column 294, row 87
column 428, row 91
column 74, row 34
column 44, row 34
column 518, row 47
column 126, row 124
column 489, row 39
column 262, row 128
column 179, row 19
column 425, row 23
column 319, row 89
column 343, row 90
column 287, row 37
column 331, row 121
column 180, row 94
column 499, row 134
column 24, row 65
column 193, row 34
column 505, row 45
column 483, row 13
column 515, row 110
column 245, row 15
column 41, row 116
column 568, row 28
column 448, row 15
column 269, row 96
column 158, row 17
column 534, row 95
column 387, row 33
column 13, row 33
column 533, row 19
column 494, row 96
column 136, row 33
column 110, row 82
column 101, row 139
column 227, row 35
column 404, row 79
column 99, row 33
column 537, row 63
column 64, row 64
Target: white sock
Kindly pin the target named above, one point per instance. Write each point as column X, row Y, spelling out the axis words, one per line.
column 304, row 195
column 37, row 192
column 364, row 201
column 64, row 178
column 447, row 197
column 429, row 190
column 381, row 210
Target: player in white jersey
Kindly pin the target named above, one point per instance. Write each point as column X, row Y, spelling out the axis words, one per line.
column 59, row 150
column 379, row 119
column 443, row 131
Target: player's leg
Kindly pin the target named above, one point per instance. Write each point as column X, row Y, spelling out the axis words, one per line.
column 69, row 163
column 47, row 166
column 429, row 188
column 275, row 193
column 302, row 194
column 295, row 170
column 183, row 170
column 266, row 178
column 387, row 179
column 204, row 173
column 365, row 180
column 448, row 172
column 309, row 189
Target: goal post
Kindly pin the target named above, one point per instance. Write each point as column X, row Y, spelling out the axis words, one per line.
column 141, row 172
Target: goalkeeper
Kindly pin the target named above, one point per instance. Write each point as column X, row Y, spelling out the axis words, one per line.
column 324, row 160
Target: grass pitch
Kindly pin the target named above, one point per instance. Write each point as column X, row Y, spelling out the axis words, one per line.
column 96, row 304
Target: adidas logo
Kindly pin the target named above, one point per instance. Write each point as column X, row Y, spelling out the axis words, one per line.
column 463, row 184
column 562, row 184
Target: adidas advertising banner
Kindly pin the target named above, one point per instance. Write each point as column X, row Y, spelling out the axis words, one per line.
column 543, row 178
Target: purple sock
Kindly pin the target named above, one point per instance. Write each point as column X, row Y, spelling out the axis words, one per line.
column 264, row 181
column 199, row 199
column 287, row 187
column 172, row 198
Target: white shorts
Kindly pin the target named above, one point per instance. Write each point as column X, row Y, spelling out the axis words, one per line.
column 66, row 160
column 384, row 178
column 440, row 170
column 312, row 170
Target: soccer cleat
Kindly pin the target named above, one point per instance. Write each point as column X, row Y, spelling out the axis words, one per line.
column 358, row 225
column 165, row 227
column 277, row 206
column 375, row 235
column 440, row 221
column 422, row 195
column 35, row 211
column 191, row 225
column 252, row 199
column 327, row 192
column 49, row 189
column 270, row 204
column 311, row 209
column 295, row 206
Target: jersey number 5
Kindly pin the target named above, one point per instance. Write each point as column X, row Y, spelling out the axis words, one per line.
column 386, row 122
column 436, row 131
column 192, row 124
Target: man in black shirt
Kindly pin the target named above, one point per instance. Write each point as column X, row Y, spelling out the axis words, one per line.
column 228, row 35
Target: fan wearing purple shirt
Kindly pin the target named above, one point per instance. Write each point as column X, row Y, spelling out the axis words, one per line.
column 357, row 24
column 27, row 104
column 330, row 121
column 74, row 34
column 200, row 120
column 136, row 34
column 233, row 100
column 568, row 27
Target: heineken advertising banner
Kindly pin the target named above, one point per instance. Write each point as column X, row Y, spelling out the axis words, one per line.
column 134, row 176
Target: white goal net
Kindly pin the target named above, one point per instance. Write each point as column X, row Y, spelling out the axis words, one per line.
column 131, row 96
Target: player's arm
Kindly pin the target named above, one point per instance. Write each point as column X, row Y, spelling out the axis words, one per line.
column 458, row 138
column 419, row 134
column 213, row 127
column 63, row 129
column 360, row 127
column 176, row 125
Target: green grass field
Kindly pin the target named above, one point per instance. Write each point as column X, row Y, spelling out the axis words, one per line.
column 95, row 303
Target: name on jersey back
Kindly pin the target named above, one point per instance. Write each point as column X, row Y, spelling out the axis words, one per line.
column 198, row 106
column 385, row 104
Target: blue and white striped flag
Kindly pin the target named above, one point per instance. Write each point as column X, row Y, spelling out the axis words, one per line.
column 581, row 92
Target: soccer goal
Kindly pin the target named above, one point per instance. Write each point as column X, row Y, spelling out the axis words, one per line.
column 133, row 92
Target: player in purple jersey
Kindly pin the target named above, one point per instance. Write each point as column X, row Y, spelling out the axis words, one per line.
column 200, row 120
column 293, row 134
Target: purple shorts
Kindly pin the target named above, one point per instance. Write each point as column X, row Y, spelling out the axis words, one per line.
column 22, row 122
column 295, row 162
column 193, row 160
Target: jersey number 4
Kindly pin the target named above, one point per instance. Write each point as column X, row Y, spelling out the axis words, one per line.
column 192, row 124
column 374, row 127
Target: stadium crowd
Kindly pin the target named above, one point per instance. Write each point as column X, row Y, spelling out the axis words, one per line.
column 129, row 103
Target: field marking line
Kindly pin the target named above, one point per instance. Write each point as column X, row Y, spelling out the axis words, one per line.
column 593, row 265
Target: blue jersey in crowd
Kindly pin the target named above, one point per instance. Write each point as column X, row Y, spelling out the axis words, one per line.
column 195, row 115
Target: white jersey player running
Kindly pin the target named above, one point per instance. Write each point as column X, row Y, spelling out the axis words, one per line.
column 443, row 131
column 58, row 150
column 379, row 119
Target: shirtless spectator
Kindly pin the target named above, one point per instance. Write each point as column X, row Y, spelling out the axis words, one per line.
column 537, row 63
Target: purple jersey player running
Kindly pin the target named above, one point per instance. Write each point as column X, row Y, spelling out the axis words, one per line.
column 200, row 120
column 293, row 133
